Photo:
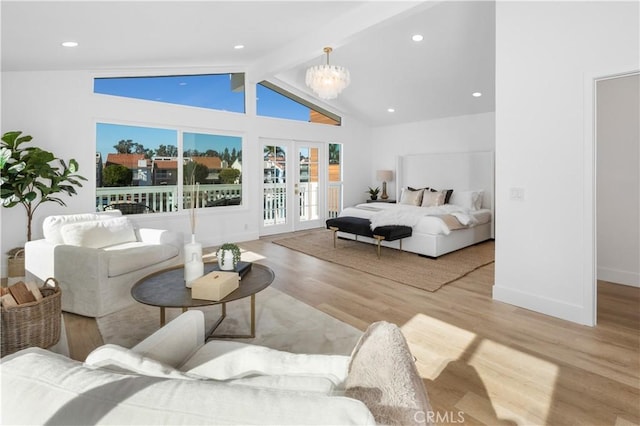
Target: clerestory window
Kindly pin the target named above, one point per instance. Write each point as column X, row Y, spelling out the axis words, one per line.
column 223, row 92
column 273, row 101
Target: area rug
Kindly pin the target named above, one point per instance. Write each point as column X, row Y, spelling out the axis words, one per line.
column 282, row 322
column 400, row 266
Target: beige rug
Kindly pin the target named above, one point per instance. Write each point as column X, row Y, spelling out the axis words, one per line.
column 403, row 267
column 282, row 322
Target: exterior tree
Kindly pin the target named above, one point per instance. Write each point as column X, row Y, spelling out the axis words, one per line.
column 32, row 176
column 229, row 175
column 124, row 146
column 167, row 151
column 194, row 173
column 116, row 175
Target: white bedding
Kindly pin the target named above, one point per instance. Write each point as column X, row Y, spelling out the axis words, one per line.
column 421, row 219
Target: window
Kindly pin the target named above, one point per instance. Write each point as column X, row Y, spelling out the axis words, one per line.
column 273, row 101
column 214, row 163
column 145, row 169
column 223, row 92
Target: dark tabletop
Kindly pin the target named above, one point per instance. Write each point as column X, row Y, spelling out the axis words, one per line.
column 166, row 288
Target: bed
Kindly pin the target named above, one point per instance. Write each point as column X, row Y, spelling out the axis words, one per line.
column 466, row 218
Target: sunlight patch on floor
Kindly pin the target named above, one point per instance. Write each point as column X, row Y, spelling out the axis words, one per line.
column 489, row 372
column 440, row 343
column 505, row 371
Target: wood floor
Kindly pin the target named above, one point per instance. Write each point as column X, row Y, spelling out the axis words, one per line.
column 482, row 361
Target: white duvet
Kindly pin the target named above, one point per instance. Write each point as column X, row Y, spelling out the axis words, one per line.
column 421, row 219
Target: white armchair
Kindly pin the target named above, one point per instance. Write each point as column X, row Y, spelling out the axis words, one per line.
column 97, row 257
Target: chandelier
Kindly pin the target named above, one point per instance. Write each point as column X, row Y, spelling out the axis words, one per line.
column 327, row 81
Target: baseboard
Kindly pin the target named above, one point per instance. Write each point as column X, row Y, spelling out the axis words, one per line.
column 619, row 277
column 552, row 307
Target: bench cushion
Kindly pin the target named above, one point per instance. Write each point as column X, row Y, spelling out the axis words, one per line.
column 393, row 232
column 351, row 225
column 361, row 226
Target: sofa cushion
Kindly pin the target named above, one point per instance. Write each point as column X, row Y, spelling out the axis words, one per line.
column 320, row 385
column 223, row 360
column 133, row 256
column 119, row 359
column 39, row 387
column 98, row 233
column 52, row 225
column 383, row 375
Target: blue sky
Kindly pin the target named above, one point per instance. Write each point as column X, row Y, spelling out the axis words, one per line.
column 108, row 135
column 212, row 91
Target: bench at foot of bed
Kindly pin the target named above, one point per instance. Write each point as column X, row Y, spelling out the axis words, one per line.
column 360, row 226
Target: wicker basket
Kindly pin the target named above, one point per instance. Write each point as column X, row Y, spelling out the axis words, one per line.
column 34, row 323
column 16, row 265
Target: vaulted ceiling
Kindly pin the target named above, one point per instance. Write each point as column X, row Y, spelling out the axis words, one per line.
column 433, row 78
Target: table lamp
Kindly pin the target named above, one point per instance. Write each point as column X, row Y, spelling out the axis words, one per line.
column 384, row 176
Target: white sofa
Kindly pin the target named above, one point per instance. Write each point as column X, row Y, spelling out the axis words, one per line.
column 172, row 377
column 97, row 257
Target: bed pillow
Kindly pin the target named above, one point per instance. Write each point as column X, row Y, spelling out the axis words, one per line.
column 383, row 375
column 432, row 198
column 447, row 195
column 411, row 197
column 471, row 200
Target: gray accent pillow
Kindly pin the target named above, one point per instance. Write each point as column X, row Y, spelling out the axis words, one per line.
column 383, row 375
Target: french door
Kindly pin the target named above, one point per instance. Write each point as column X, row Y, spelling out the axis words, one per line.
column 294, row 185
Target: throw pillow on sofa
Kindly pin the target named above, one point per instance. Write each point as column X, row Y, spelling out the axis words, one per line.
column 122, row 360
column 383, row 375
column 99, row 233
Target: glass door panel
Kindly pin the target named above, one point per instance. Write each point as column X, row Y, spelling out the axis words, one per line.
column 275, row 185
column 293, row 186
column 309, row 185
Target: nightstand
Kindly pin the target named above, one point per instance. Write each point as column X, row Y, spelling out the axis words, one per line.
column 379, row 200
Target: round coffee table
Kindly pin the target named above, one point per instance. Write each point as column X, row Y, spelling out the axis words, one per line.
column 166, row 289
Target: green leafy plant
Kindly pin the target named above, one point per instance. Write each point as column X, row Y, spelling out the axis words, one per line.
column 373, row 192
column 31, row 176
column 233, row 249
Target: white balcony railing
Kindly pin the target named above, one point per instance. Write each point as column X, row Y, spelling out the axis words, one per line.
column 164, row 198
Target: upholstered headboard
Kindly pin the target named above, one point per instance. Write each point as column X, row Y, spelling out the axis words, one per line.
column 459, row 171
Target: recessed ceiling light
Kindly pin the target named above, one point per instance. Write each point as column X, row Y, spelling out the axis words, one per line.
column 391, row 110
column 476, row 94
column 239, row 46
column 70, row 43
column 417, row 37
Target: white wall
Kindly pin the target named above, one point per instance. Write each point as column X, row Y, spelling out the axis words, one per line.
column 618, row 180
column 546, row 56
column 453, row 134
column 60, row 110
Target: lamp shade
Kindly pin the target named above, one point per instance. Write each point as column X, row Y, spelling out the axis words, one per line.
column 384, row 175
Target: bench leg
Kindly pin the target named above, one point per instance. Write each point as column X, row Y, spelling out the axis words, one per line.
column 400, row 244
column 335, row 232
column 379, row 239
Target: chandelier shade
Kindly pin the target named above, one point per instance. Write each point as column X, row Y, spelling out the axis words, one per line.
column 327, row 81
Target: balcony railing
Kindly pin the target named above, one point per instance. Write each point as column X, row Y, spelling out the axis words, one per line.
column 164, row 198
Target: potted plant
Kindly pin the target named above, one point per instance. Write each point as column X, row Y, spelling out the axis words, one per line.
column 32, row 176
column 373, row 192
column 228, row 256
